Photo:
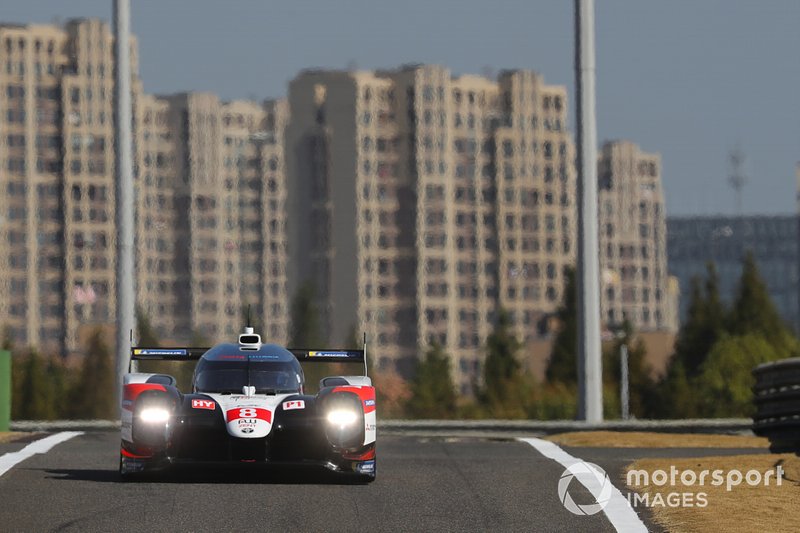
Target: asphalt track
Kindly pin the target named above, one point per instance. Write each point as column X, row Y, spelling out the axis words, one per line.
column 424, row 484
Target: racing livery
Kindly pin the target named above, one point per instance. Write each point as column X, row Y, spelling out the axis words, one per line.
column 247, row 406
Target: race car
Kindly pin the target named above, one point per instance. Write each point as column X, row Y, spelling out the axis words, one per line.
column 247, row 407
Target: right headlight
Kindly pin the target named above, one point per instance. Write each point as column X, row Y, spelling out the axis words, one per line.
column 342, row 417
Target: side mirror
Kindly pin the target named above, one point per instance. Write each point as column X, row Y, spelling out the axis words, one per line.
column 162, row 379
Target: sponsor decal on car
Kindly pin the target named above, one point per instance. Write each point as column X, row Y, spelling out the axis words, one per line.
column 203, row 404
column 333, row 354
column 160, row 351
column 369, row 402
column 294, row 404
column 366, row 467
column 247, row 430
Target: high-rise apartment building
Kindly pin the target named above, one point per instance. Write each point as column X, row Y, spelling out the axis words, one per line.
column 423, row 203
column 633, row 259
column 56, row 173
column 211, row 216
column 210, row 198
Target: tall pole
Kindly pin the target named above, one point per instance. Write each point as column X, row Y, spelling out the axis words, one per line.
column 590, row 372
column 124, row 186
column 624, row 396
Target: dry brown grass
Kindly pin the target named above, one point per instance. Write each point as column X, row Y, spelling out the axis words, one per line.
column 744, row 508
column 11, row 436
column 633, row 439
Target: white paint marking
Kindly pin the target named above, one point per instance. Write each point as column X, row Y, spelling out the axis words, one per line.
column 44, row 445
column 618, row 510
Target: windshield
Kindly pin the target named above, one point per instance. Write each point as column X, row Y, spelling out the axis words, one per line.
column 229, row 378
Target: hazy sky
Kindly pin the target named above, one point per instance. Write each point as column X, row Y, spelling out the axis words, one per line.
column 687, row 78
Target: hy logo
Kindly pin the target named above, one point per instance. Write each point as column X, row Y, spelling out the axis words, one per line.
column 593, row 478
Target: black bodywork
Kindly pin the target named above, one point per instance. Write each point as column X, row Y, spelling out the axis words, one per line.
column 191, row 435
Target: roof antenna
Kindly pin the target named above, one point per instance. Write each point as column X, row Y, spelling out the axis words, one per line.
column 365, row 354
column 248, row 329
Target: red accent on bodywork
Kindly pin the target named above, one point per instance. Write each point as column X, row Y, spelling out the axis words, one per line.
column 130, row 455
column 369, row 454
column 133, row 390
column 236, row 413
column 367, row 394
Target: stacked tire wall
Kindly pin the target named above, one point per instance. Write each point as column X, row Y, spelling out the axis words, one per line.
column 777, row 400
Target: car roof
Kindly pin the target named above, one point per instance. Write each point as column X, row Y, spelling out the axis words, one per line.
column 234, row 352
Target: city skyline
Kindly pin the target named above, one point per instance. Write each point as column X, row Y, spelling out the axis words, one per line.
column 482, row 170
column 691, row 112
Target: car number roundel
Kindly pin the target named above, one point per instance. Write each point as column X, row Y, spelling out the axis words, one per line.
column 248, row 412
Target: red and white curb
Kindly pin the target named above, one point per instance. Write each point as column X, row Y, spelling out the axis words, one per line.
column 9, row 460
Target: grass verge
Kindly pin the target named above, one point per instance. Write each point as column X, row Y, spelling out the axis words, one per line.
column 11, row 436
column 728, row 506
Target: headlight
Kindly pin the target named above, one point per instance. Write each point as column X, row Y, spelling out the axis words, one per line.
column 154, row 415
column 342, row 417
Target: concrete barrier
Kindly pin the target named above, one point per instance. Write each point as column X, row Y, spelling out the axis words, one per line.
column 475, row 428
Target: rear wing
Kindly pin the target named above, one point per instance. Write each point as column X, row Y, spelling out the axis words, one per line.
column 302, row 355
column 193, row 354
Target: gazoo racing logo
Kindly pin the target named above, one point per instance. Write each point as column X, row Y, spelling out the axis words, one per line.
column 594, row 479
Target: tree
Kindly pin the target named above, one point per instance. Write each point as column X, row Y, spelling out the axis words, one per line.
column 725, row 385
column 563, row 364
column 8, row 339
column 704, row 325
column 675, row 396
column 34, row 389
column 753, row 311
column 306, row 331
column 93, row 394
column 432, row 390
column 355, row 341
column 146, row 333
column 392, row 394
column 504, row 392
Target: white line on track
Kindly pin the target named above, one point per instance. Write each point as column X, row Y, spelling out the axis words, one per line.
column 618, row 510
column 44, row 445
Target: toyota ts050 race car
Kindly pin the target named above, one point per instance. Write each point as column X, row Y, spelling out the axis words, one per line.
column 247, row 406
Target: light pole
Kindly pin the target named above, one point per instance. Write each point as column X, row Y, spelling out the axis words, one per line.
column 624, row 395
column 590, row 366
column 124, row 187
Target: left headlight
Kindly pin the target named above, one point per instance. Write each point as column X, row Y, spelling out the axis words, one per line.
column 154, row 415
column 342, row 417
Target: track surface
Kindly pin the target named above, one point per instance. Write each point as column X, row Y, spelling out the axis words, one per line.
column 423, row 484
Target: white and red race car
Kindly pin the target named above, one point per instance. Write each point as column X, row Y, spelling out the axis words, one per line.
column 247, row 406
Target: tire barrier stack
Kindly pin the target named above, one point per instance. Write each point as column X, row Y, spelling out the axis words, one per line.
column 777, row 398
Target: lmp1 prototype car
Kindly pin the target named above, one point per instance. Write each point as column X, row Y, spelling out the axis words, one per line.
column 247, row 406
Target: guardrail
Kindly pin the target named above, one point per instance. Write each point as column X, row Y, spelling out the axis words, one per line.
column 777, row 398
column 468, row 428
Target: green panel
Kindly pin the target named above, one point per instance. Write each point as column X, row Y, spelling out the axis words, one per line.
column 5, row 389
